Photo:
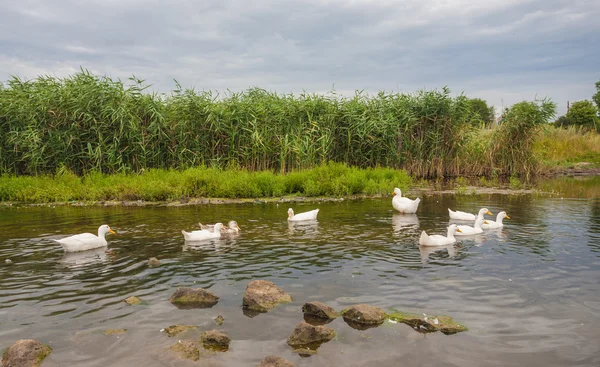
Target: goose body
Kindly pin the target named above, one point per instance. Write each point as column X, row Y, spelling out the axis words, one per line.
column 497, row 223
column 86, row 241
column 458, row 215
column 404, row 205
column 439, row 240
column 469, row 231
column 310, row 215
column 232, row 227
column 203, row 234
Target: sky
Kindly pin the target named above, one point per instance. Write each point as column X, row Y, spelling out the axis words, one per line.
column 503, row 51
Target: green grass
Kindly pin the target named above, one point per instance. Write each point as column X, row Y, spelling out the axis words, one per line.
column 331, row 179
column 557, row 147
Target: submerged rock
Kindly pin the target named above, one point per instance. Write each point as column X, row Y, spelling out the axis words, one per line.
column 219, row 320
column 176, row 329
column 153, row 262
column 305, row 352
column 215, row 339
column 132, row 301
column 115, row 331
column 263, row 295
column 8, row 261
column 275, row 361
column 186, row 349
column 429, row 324
column 320, row 310
column 25, row 353
column 364, row 314
column 193, row 298
column 309, row 335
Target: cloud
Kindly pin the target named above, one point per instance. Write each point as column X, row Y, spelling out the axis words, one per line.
column 503, row 51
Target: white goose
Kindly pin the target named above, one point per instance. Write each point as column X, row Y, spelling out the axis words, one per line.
column 439, row 240
column 458, row 215
column 469, row 231
column 232, row 227
column 203, row 234
column 86, row 241
column 404, row 205
column 497, row 223
column 310, row 215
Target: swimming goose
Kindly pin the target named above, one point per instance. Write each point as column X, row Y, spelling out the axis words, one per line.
column 439, row 240
column 497, row 223
column 86, row 241
column 468, row 230
column 310, row 215
column 203, row 234
column 232, row 227
column 403, row 204
column 458, row 215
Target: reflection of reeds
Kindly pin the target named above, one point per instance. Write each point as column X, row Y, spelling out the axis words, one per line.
column 87, row 123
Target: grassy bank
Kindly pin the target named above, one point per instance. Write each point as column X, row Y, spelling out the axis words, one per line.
column 85, row 123
column 559, row 148
column 331, row 179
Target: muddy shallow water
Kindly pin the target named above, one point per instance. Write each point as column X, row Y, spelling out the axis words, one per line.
column 529, row 293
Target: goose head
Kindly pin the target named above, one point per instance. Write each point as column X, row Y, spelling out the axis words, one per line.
column 290, row 213
column 483, row 211
column 233, row 226
column 218, row 227
column 104, row 229
column 397, row 192
column 452, row 229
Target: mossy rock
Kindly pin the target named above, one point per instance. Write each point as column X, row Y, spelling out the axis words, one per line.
column 186, row 349
column 26, row 352
column 115, row 331
column 364, row 314
column 132, row 301
column 427, row 324
column 176, row 329
column 186, row 298
column 263, row 295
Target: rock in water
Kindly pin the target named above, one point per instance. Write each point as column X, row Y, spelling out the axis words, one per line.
column 214, row 339
column 275, row 361
column 153, row 262
column 428, row 324
column 320, row 310
column 193, row 298
column 307, row 334
column 263, row 295
column 25, row 353
column 364, row 314
column 219, row 320
column 186, row 349
column 176, row 329
column 132, row 301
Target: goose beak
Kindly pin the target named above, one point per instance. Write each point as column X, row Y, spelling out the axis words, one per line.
column 507, row 217
column 238, row 228
column 485, row 222
column 458, row 230
column 111, row 231
column 393, row 193
column 489, row 213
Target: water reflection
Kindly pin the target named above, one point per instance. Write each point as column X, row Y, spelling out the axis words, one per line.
column 401, row 222
column 76, row 260
column 426, row 251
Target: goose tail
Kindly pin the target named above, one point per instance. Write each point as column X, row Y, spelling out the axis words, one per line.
column 423, row 239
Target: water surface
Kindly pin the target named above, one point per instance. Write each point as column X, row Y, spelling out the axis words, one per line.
column 529, row 293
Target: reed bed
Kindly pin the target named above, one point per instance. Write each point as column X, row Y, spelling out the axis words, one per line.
column 87, row 123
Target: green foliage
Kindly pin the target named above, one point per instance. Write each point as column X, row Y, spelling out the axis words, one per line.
column 582, row 113
column 481, row 113
column 596, row 97
column 330, row 179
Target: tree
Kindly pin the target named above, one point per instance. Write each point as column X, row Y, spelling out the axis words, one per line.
column 480, row 112
column 596, row 97
column 583, row 113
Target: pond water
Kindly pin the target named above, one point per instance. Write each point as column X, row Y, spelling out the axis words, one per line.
column 529, row 293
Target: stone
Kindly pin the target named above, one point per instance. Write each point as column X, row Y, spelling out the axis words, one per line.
column 176, row 329
column 193, row 298
column 115, row 331
column 219, row 320
column 275, row 361
column 320, row 310
column 25, row 353
column 214, row 339
column 364, row 314
column 186, row 349
column 132, row 301
column 306, row 334
column 153, row 262
column 429, row 324
column 263, row 295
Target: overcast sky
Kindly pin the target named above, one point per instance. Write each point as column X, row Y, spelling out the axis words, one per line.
column 503, row 51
